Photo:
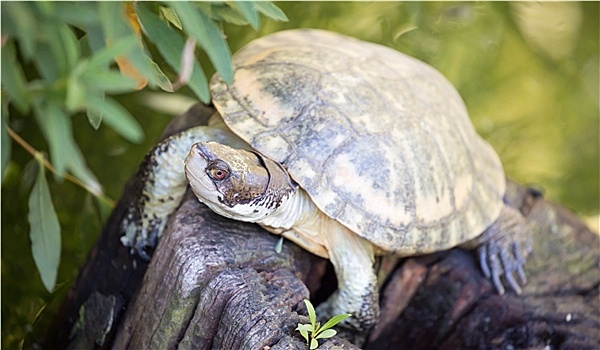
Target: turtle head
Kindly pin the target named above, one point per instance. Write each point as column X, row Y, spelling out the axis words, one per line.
column 235, row 183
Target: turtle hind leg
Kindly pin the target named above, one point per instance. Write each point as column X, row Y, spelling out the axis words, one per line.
column 503, row 249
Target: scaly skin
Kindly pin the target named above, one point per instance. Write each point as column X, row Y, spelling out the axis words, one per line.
column 162, row 184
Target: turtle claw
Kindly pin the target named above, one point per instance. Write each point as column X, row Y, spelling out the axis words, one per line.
column 142, row 249
column 497, row 263
column 513, row 284
column 482, row 250
column 140, row 235
column 518, row 253
column 503, row 254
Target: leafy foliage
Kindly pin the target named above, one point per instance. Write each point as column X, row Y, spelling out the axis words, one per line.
column 315, row 329
column 63, row 59
column 45, row 229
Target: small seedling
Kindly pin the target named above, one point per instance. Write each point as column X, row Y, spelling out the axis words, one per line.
column 279, row 245
column 315, row 329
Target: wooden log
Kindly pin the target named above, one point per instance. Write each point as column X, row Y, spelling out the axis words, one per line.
column 111, row 276
column 218, row 283
column 455, row 307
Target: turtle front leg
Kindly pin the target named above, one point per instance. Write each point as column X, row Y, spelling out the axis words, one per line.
column 503, row 249
column 352, row 258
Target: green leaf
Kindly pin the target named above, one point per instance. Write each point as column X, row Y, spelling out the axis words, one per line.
column 304, row 329
column 112, row 18
column 106, row 55
column 44, row 230
column 58, row 51
column 229, row 15
column 328, row 333
column 56, row 127
column 13, row 78
column 76, row 92
column 279, row 245
column 208, row 34
column 208, row 8
column 65, row 154
column 78, row 167
column 160, row 78
column 6, row 141
column 80, row 14
column 171, row 46
column 304, row 333
column 49, row 69
column 247, row 9
column 95, row 37
column 268, row 9
column 312, row 316
column 19, row 21
column 95, row 119
column 116, row 116
column 69, row 45
column 314, row 344
column 171, row 16
column 109, row 81
column 334, row 320
column 45, row 9
column 136, row 62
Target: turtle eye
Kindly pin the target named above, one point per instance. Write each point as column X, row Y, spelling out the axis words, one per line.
column 218, row 171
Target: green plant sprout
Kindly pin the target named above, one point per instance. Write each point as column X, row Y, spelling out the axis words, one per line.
column 279, row 245
column 316, row 330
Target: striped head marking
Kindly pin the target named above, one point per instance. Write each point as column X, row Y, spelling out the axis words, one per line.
column 236, row 183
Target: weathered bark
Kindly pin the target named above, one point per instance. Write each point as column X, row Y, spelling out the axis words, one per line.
column 217, row 283
column 214, row 283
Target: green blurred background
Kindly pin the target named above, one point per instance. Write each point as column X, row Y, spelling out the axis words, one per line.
column 528, row 73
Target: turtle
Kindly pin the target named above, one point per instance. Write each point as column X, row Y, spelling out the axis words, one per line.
column 350, row 149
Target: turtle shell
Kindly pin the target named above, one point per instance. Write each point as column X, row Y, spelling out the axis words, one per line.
column 380, row 141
